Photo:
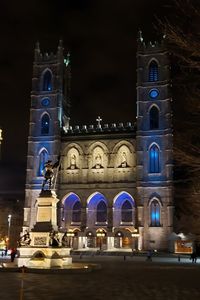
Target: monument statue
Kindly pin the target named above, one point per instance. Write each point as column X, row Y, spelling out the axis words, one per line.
column 24, row 239
column 54, row 239
column 48, row 173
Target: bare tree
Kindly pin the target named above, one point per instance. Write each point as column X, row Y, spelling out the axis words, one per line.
column 182, row 32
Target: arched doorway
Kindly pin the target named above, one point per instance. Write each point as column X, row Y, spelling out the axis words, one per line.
column 101, row 239
column 91, row 240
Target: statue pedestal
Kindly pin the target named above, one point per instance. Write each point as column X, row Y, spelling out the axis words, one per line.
column 40, row 257
column 38, row 253
column 46, row 218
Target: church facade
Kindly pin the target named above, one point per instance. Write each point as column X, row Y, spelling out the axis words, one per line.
column 114, row 182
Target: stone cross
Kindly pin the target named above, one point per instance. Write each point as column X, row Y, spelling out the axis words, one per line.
column 99, row 121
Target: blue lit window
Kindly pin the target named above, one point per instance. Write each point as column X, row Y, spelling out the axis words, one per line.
column 153, row 71
column 45, row 124
column 42, row 159
column 154, row 164
column 47, row 81
column 101, row 212
column 126, row 212
column 76, row 212
column 154, row 118
column 155, row 213
column 153, row 94
column 45, row 102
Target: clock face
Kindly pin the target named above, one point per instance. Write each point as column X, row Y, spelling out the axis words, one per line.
column 153, row 94
column 45, row 102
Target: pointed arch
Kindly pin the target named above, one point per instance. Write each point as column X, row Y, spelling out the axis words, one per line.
column 101, row 212
column 124, row 209
column 154, row 117
column 155, row 209
column 45, row 124
column 76, row 212
column 154, row 159
column 153, row 71
column 43, row 157
column 71, row 211
column 47, row 81
column 96, row 209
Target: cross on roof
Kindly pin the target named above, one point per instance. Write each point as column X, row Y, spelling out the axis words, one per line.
column 99, row 121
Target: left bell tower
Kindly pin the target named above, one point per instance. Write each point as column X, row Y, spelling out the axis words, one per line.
column 47, row 112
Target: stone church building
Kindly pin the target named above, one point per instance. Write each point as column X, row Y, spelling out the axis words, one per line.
column 114, row 182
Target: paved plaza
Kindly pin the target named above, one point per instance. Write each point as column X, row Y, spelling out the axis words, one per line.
column 119, row 278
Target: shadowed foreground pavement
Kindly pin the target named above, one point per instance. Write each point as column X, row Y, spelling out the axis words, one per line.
column 134, row 279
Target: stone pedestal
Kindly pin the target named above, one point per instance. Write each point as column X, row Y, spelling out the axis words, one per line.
column 40, row 257
column 38, row 252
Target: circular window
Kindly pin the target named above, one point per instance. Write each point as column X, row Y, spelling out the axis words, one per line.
column 45, row 102
column 153, row 93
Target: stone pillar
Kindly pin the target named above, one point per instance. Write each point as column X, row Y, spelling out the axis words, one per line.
column 110, row 242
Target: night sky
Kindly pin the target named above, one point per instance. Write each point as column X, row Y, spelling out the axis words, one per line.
column 101, row 36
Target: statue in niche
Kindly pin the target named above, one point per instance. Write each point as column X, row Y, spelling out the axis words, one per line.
column 123, row 160
column 73, row 162
column 98, row 161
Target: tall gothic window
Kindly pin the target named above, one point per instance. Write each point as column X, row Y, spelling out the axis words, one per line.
column 153, row 71
column 42, row 159
column 154, row 118
column 76, row 212
column 155, row 213
column 154, row 164
column 45, row 124
column 47, row 81
column 126, row 212
column 101, row 212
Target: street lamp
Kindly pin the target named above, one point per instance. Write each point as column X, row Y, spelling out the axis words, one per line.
column 9, row 225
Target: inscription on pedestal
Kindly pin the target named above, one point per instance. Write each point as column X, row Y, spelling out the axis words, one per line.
column 40, row 241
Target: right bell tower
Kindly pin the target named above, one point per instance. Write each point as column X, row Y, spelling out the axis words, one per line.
column 154, row 146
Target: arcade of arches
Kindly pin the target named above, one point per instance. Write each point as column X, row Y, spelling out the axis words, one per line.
column 98, row 223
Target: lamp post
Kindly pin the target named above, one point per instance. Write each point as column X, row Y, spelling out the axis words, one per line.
column 9, row 225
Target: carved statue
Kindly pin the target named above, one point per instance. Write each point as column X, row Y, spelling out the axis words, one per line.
column 24, row 239
column 64, row 240
column 54, row 239
column 98, row 161
column 73, row 161
column 123, row 160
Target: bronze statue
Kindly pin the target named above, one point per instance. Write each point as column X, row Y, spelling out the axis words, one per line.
column 48, row 172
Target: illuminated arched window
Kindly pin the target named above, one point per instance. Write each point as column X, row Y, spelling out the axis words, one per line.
column 155, row 213
column 47, row 81
column 154, row 118
column 126, row 211
column 45, row 124
column 42, row 159
column 154, row 164
column 101, row 212
column 153, row 71
column 76, row 212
